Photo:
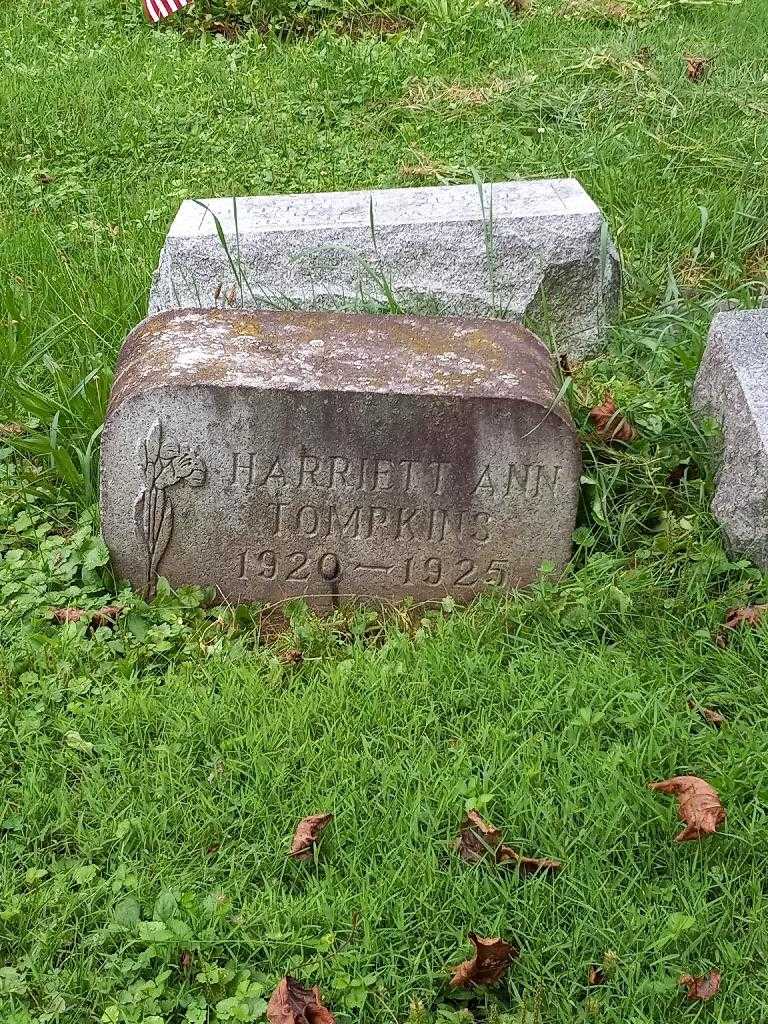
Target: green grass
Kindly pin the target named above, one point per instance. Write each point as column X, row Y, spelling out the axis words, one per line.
column 145, row 879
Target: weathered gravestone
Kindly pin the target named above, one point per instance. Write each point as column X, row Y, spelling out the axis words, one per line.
column 732, row 386
column 522, row 248
column 275, row 455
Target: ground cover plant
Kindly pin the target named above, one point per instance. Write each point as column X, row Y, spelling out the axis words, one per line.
column 156, row 758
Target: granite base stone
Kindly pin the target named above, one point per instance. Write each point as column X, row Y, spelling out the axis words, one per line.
column 517, row 250
column 732, row 386
column 327, row 456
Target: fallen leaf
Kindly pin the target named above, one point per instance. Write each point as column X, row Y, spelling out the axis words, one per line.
column 708, row 714
column 751, row 615
column 713, row 717
column 596, row 975
column 106, row 616
column 698, row 805
column 491, row 960
column 62, row 615
column 696, row 68
column 307, row 835
column 528, row 865
column 609, row 424
column 477, row 838
column 11, row 429
column 292, row 1004
column 701, row 987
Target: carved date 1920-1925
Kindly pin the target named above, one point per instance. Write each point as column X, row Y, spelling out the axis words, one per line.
column 432, row 571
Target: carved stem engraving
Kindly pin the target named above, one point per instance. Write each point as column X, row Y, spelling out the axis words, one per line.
column 163, row 466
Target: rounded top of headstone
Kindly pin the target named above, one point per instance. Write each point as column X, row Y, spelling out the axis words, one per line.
column 329, row 351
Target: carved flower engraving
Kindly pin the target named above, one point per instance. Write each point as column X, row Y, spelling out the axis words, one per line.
column 163, row 466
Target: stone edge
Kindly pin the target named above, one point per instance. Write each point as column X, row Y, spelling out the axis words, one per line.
column 134, row 337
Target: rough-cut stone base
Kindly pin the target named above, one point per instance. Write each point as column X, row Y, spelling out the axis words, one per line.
column 325, row 455
column 732, row 386
column 527, row 249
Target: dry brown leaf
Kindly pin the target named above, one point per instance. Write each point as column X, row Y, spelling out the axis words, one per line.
column 701, row 987
column 307, row 835
column 527, row 865
column 491, row 960
column 477, row 838
column 713, row 717
column 698, row 805
column 106, row 616
column 696, row 68
column 291, row 1003
column 708, row 714
column 751, row 614
column 609, row 424
column 11, row 429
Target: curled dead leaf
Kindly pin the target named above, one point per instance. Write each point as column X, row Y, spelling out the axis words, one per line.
column 307, row 835
column 106, row 616
column 750, row 615
column 291, row 1003
column 488, row 965
column 609, row 424
column 11, row 429
column 696, row 68
column 698, row 805
column 477, row 838
column 596, row 975
column 714, row 718
column 701, row 987
column 527, row 865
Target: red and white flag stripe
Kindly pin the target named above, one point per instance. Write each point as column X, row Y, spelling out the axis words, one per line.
column 156, row 10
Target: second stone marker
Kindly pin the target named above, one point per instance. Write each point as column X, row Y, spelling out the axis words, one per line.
column 322, row 455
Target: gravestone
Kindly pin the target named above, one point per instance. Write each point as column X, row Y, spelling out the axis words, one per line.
column 276, row 455
column 525, row 248
column 732, row 386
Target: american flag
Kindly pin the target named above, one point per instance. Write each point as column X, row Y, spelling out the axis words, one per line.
column 156, row 10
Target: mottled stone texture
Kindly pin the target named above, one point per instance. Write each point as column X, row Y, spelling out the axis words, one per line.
column 529, row 248
column 275, row 455
column 732, row 386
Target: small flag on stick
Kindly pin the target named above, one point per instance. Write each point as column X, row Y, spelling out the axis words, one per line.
column 156, row 10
